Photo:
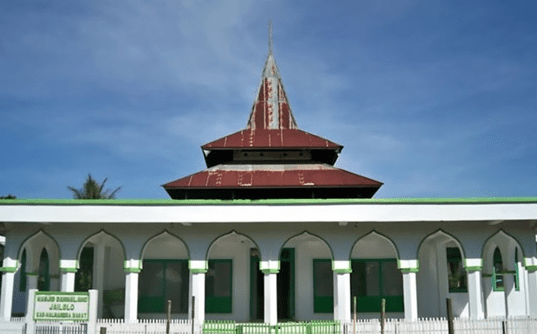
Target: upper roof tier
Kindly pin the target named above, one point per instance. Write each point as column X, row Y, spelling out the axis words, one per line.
column 271, row 124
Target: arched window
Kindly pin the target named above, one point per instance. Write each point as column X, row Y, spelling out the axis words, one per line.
column 517, row 284
column 43, row 281
column 497, row 271
column 22, row 280
column 457, row 278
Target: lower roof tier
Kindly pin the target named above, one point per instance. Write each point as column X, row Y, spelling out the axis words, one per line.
column 272, row 181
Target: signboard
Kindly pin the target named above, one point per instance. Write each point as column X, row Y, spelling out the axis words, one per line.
column 61, row 306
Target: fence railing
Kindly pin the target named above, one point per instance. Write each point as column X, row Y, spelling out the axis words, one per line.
column 309, row 327
column 144, row 326
column 510, row 325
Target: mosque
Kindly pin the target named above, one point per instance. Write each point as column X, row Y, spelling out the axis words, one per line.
column 272, row 231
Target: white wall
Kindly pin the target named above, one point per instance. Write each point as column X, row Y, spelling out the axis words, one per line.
column 305, row 253
column 238, row 250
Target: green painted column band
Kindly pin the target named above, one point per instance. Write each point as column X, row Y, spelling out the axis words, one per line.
column 340, row 266
column 342, row 271
column 8, row 269
column 68, row 270
column 198, row 271
column 474, row 268
column 531, row 268
column 132, row 270
column 270, row 271
column 410, row 270
column 198, row 264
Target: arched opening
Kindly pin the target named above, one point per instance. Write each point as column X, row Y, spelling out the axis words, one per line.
column 504, row 277
column 164, row 276
column 39, row 257
column 229, row 278
column 441, row 275
column 375, row 275
column 305, row 266
column 43, row 281
column 101, row 257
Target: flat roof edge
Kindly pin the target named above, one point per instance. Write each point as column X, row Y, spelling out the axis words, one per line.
column 172, row 202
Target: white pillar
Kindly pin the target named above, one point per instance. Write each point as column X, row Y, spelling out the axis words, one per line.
column 197, row 268
column 343, row 298
column 131, row 295
column 410, row 294
column 532, row 290
column 98, row 275
column 68, row 269
column 271, row 296
column 31, row 281
column 475, row 295
column 509, row 288
column 68, row 281
column 198, row 292
column 6, row 297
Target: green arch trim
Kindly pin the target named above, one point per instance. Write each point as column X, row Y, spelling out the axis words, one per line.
column 226, row 234
column 394, row 245
column 146, row 243
column 21, row 248
column 304, row 232
column 501, row 230
column 463, row 252
column 95, row 234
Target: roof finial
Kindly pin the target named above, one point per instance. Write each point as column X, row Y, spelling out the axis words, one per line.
column 270, row 37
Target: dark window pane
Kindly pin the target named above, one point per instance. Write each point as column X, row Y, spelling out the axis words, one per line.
column 152, row 279
column 323, row 278
column 176, row 286
column 457, row 278
column 218, row 279
column 392, row 279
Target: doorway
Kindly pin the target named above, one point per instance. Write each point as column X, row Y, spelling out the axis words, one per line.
column 285, row 285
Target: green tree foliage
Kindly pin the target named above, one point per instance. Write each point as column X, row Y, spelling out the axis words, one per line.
column 91, row 189
column 8, row 197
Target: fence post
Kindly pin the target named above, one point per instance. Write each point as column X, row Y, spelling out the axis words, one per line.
column 449, row 308
column 382, row 314
column 168, row 315
column 354, row 322
column 193, row 313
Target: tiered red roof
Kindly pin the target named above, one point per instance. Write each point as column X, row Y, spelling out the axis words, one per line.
column 272, row 158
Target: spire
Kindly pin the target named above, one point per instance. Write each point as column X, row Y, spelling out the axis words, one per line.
column 271, row 108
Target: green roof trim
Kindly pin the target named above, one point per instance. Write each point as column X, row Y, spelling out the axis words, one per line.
column 172, row 202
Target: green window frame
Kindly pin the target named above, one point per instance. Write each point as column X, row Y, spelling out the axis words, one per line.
column 160, row 280
column 457, row 276
column 22, row 278
column 43, row 280
column 323, row 286
column 84, row 274
column 517, row 283
column 219, row 286
column 497, row 271
column 375, row 279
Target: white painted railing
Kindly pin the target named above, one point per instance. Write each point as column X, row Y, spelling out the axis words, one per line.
column 15, row 325
column 144, row 326
column 511, row 325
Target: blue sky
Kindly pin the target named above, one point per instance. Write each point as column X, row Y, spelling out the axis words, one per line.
column 433, row 98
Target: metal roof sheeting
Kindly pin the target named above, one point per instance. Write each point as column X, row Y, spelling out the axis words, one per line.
column 268, row 138
column 273, row 176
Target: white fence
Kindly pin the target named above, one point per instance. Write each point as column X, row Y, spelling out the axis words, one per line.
column 144, row 326
column 511, row 325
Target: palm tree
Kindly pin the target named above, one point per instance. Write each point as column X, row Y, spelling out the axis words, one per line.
column 91, row 189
